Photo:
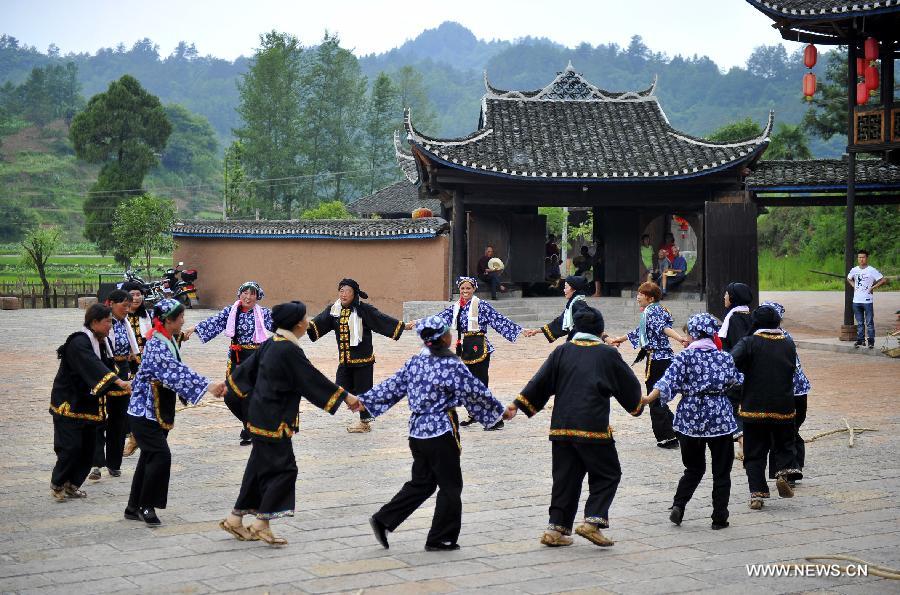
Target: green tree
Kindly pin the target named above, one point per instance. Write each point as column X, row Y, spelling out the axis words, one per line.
column 192, row 147
column 788, row 142
column 271, row 134
column 15, row 220
column 333, row 99
column 736, row 131
column 143, row 224
column 239, row 197
column 382, row 118
column 37, row 248
column 411, row 93
column 827, row 114
column 122, row 129
column 334, row 209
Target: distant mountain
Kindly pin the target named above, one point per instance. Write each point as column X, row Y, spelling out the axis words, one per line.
column 696, row 95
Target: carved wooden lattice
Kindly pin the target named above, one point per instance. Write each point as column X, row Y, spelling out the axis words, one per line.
column 869, row 127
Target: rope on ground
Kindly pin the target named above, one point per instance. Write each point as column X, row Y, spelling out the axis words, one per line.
column 852, row 431
column 183, row 407
column 873, row 569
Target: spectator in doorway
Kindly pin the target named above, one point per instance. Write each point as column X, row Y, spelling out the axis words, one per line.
column 551, row 247
column 582, row 262
column 864, row 280
column 489, row 276
column 668, row 243
column 599, row 270
column 646, row 252
column 663, row 264
column 676, row 273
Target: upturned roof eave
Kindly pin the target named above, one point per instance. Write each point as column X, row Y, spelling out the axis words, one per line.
column 627, row 178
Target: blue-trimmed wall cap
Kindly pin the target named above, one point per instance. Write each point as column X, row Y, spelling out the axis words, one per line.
column 351, row 229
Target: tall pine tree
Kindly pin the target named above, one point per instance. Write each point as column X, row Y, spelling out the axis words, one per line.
column 270, row 136
column 382, row 118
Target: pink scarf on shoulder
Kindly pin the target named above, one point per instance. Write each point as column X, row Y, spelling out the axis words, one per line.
column 259, row 330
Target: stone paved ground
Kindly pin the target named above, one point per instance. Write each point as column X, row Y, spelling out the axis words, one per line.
column 847, row 504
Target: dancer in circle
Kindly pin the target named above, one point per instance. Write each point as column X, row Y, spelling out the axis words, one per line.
column 246, row 323
column 652, row 337
column 584, row 374
column 702, row 374
column 470, row 319
column 575, row 290
column 435, row 382
column 277, row 375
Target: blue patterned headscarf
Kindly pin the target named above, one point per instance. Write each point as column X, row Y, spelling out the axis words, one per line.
column 462, row 279
column 260, row 294
column 702, row 325
column 778, row 307
column 431, row 329
column 167, row 309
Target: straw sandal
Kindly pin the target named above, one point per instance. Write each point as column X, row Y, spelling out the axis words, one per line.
column 267, row 536
column 59, row 494
column 784, row 488
column 555, row 538
column 594, row 535
column 73, row 492
column 239, row 532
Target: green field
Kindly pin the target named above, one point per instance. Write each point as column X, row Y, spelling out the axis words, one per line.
column 794, row 273
column 71, row 268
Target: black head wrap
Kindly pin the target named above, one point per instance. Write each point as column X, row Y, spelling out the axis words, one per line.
column 587, row 319
column 132, row 286
column 578, row 283
column 764, row 317
column 287, row 316
column 740, row 294
column 358, row 293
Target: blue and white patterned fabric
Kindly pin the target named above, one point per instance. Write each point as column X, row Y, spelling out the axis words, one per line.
column 160, row 364
column 657, row 320
column 121, row 346
column 702, row 325
column 431, row 328
column 487, row 317
column 243, row 326
column 433, row 386
column 702, row 376
column 801, row 382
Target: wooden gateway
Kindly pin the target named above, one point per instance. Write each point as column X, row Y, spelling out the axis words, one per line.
column 573, row 144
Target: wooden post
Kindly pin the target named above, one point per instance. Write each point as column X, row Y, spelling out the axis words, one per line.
column 847, row 330
column 458, row 227
column 55, row 298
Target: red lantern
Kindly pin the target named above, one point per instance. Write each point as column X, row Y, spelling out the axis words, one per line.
column 862, row 94
column 871, row 78
column 809, row 85
column 871, row 49
column 860, row 66
column 809, row 56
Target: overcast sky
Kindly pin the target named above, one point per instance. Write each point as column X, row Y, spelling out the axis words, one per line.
column 725, row 30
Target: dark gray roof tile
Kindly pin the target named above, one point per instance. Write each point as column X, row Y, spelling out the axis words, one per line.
column 351, row 229
column 399, row 197
column 821, row 174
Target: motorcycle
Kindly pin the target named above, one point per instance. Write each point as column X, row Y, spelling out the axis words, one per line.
column 182, row 289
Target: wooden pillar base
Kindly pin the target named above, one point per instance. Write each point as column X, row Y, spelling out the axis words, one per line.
column 848, row 332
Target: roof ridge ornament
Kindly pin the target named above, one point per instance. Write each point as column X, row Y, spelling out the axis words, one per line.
column 405, row 160
column 756, row 140
column 569, row 85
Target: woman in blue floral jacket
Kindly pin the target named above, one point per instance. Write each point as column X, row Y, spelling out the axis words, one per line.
column 704, row 417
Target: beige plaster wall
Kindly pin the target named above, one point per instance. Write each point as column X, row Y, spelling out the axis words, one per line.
column 390, row 271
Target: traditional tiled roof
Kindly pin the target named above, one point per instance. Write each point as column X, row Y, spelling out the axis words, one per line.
column 399, row 197
column 352, row 229
column 815, row 9
column 573, row 131
column 821, row 174
column 405, row 161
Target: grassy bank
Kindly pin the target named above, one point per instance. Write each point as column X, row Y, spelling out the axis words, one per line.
column 794, row 273
column 71, row 267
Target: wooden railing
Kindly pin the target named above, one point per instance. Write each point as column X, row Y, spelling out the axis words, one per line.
column 876, row 126
column 62, row 294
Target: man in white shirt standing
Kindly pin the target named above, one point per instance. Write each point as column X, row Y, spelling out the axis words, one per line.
column 864, row 280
